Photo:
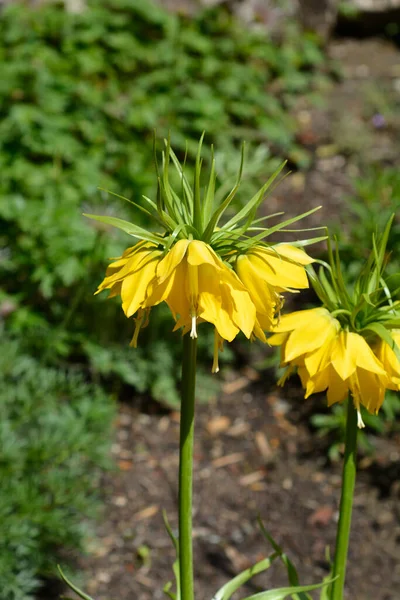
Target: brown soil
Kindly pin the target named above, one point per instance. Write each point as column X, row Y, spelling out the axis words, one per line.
column 255, row 452
column 254, row 455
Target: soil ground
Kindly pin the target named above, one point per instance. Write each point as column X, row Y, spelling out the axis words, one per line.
column 255, row 452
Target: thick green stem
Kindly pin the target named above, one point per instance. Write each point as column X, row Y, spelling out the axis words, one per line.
column 346, row 503
column 186, row 467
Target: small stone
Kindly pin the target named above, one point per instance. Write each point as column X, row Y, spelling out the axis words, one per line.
column 125, row 420
column 104, row 577
column 287, row 483
column 120, row 501
column 218, row 425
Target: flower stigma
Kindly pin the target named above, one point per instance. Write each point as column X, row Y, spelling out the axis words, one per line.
column 193, row 331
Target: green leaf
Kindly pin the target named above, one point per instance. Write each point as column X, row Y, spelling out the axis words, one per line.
column 326, row 589
column 210, row 191
column 176, row 570
column 72, row 586
column 230, row 588
column 383, row 242
column 169, row 531
column 224, row 205
column 188, row 192
column 129, row 228
column 197, row 212
column 254, row 202
column 282, row 225
column 282, row 593
column 171, row 203
column 141, row 208
column 166, row 590
column 291, row 569
column 175, row 566
column 327, row 286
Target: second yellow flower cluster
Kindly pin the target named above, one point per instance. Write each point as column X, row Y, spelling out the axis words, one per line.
column 330, row 358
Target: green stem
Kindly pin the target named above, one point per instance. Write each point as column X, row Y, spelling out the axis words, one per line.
column 186, row 467
column 346, row 503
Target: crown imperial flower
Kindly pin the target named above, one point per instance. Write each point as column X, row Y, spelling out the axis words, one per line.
column 331, row 359
column 203, row 271
column 350, row 344
column 268, row 271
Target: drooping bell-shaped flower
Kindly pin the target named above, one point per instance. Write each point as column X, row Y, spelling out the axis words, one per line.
column 267, row 272
column 204, row 271
column 348, row 346
column 331, row 359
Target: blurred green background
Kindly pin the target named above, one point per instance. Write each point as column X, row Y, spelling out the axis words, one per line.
column 81, row 95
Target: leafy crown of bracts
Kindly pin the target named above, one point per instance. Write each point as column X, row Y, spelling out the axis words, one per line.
column 193, row 213
column 371, row 306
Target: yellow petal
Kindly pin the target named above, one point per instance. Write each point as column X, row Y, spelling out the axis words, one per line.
column 277, row 339
column 175, row 293
column 171, row 260
column 134, row 287
column 125, row 266
column 242, row 309
column 319, row 359
column 365, row 358
column 389, row 360
column 344, row 360
column 212, row 305
column 276, row 270
column 304, row 377
column 318, row 383
column 368, row 389
column 338, row 389
column 263, row 297
column 301, row 318
column 115, row 289
column 303, row 340
column 199, row 253
column 294, row 253
column 259, row 333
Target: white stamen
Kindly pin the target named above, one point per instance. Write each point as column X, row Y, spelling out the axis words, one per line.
column 215, row 367
column 360, row 422
column 193, row 332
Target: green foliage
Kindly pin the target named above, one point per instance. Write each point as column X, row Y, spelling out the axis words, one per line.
column 54, row 439
column 376, row 197
column 80, row 97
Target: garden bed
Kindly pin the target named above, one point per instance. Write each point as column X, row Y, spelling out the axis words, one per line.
column 255, row 451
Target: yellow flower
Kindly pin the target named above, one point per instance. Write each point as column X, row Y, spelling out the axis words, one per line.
column 333, row 359
column 389, row 360
column 268, row 271
column 191, row 279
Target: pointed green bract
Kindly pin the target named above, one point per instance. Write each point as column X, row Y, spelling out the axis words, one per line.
column 371, row 308
column 255, row 201
column 73, row 587
column 129, row 228
column 290, row 568
column 186, row 211
column 232, row 586
column 285, row 592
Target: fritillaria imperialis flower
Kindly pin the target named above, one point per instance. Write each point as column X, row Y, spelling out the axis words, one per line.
column 191, row 279
column 389, row 360
column 332, row 359
column 204, row 271
column 267, row 272
column 350, row 345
